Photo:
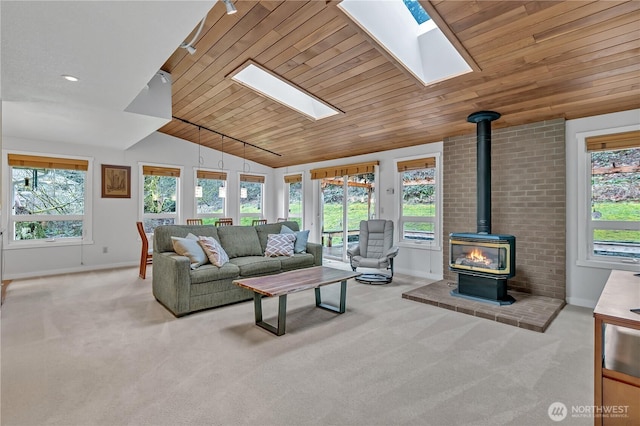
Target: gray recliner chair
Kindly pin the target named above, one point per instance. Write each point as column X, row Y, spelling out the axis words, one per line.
column 375, row 250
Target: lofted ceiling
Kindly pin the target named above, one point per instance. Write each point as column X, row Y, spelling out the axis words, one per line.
column 536, row 60
column 114, row 47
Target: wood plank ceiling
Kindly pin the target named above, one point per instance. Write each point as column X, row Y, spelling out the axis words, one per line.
column 538, row 60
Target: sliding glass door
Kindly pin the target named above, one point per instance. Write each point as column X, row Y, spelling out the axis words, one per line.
column 333, row 201
column 345, row 200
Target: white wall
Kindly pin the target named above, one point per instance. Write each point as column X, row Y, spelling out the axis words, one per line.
column 114, row 219
column 114, row 227
column 420, row 262
column 584, row 284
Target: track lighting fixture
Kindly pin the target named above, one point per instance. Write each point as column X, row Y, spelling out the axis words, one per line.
column 189, row 46
column 163, row 77
column 231, row 9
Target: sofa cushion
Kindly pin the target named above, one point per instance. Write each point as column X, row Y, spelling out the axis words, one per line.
column 272, row 228
column 214, row 251
column 162, row 234
column 190, row 248
column 216, row 289
column 297, row 261
column 300, row 245
column 256, row 265
column 279, row 245
column 210, row 272
column 239, row 241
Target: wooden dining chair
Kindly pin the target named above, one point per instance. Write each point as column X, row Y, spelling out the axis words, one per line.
column 224, row 221
column 146, row 256
column 194, row 221
column 255, row 222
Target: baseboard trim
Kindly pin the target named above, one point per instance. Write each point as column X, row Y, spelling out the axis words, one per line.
column 82, row 268
column 419, row 274
column 5, row 284
column 585, row 303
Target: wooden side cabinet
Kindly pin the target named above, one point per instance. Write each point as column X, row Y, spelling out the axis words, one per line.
column 616, row 358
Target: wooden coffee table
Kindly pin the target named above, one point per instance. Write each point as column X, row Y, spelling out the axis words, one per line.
column 291, row 282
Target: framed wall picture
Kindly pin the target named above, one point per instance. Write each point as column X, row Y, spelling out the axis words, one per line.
column 116, row 181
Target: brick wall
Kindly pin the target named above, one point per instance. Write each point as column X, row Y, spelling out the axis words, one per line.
column 527, row 199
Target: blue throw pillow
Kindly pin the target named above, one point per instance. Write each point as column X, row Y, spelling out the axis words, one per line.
column 286, row 230
column 300, row 245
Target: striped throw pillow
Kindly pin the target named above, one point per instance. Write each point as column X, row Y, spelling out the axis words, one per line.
column 214, row 251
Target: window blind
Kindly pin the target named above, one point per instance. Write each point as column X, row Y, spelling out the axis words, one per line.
column 417, row 164
column 205, row 174
column 293, row 179
column 160, row 171
column 251, row 178
column 346, row 170
column 614, row 141
column 39, row 162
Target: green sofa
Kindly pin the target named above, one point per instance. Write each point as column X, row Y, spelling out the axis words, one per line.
column 183, row 290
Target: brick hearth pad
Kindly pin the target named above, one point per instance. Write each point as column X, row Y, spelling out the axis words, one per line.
column 529, row 311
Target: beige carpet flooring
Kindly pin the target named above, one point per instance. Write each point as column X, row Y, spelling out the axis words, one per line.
column 97, row 349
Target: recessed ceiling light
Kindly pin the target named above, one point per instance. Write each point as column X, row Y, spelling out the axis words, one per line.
column 70, row 77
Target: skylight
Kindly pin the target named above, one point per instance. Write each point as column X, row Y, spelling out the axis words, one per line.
column 419, row 14
column 418, row 45
column 280, row 90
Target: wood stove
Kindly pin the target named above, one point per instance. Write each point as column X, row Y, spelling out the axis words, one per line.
column 484, row 261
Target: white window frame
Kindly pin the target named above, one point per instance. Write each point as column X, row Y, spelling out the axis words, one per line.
column 262, row 198
column 436, row 243
column 586, row 257
column 87, row 217
column 318, row 196
column 178, row 214
column 287, row 190
column 195, row 199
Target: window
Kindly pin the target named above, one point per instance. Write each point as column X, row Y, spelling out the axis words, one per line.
column 412, row 37
column 419, row 212
column 160, row 196
column 293, row 198
column 614, row 195
column 50, row 199
column 211, row 204
column 417, row 11
column 251, row 198
column 274, row 87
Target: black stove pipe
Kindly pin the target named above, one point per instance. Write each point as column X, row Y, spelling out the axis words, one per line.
column 483, row 120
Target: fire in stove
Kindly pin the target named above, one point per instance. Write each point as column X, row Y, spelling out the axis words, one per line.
column 476, row 258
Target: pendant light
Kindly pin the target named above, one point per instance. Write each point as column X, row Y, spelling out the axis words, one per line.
column 245, row 169
column 222, row 191
column 200, row 162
